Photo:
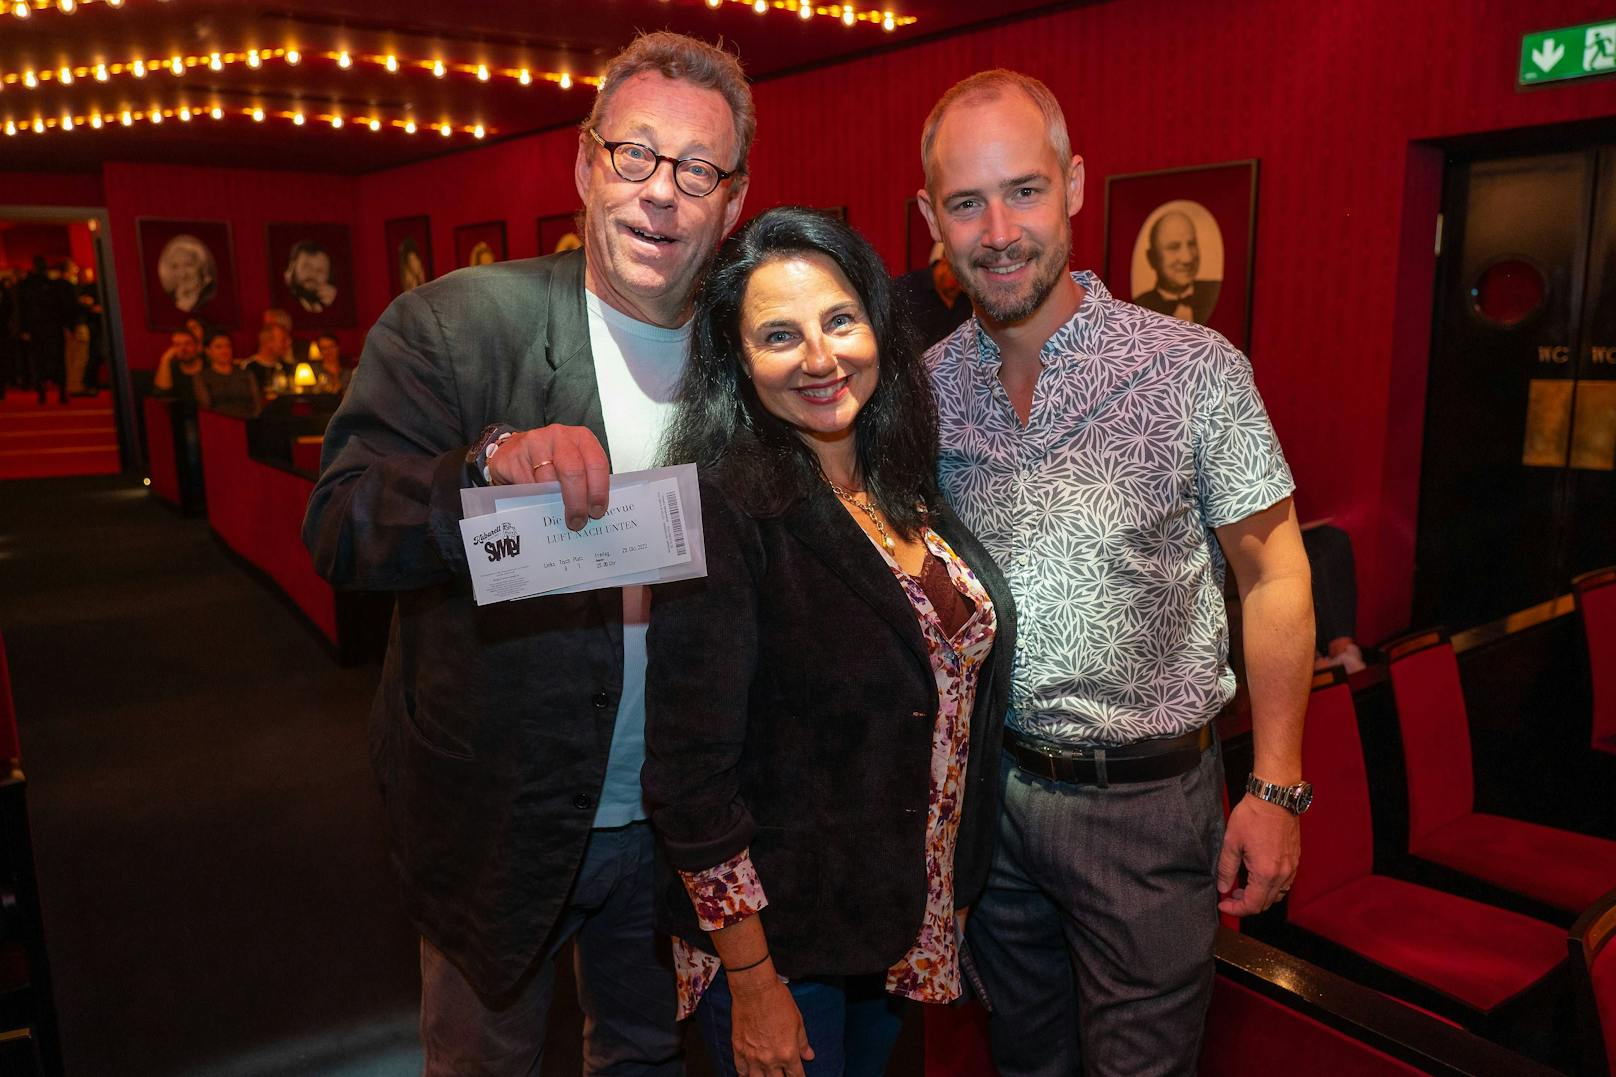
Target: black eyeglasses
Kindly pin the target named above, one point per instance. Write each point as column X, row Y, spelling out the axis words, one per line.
column 638, row 163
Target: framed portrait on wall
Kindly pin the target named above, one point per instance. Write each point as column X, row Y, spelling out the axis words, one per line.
column 311, row 273
column 559, row 232
column 917, row 241
column 409, row 252
column 479, row 244
column 1182, row 242
column 189, row 271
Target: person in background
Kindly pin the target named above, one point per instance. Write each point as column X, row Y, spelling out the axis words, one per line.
column 178, row 367
column 49, row 309
column 1112, row 459
column 333, row 376
column 508, row 738
column 937, row 306
column 808, row 412
column 271, row 365
column 95, row 322
column 221, row 384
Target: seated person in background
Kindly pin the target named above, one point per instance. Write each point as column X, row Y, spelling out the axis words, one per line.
column 1335, row 597
column 937, row 305
column 181, row 363
column 221, row 385
column 297, row 351
column 332, row 374
column 271, row 365
column 805, row 405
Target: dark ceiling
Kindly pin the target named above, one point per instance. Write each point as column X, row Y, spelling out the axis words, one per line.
column 545, row 37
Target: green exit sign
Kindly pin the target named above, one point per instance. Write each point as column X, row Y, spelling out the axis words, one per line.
column 1573, row 52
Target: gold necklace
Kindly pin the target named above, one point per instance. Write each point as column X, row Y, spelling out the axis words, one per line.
column 864, row 507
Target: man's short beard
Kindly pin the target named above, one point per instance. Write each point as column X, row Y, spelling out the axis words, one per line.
column 1021, row 309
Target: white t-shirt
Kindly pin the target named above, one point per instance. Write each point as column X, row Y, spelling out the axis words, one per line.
column 637, row 369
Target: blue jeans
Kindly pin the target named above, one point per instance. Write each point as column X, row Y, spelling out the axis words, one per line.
column 851, row 1022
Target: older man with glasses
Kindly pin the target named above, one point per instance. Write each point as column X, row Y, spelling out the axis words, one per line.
column 508, row 738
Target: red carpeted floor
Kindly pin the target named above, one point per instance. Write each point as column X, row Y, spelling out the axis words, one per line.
column 44, row 440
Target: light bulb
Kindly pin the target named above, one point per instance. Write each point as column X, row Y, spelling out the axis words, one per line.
column 297, row 119
column 185, row 115
column 392, row 63
column 761, row 6
column 95, row 121
column 375, row 124
column 29, row 80
column 714, row 3
column 482, row 72
column 409, row 127
column 258, row 115
column 11, row 127
column 478, row 131
column 67, row 123
column 126, row 118
column 565, row 81
column 216, row 112
column 805, row 11
column 344, row 60
column 215, row 62
column 847, row 15
column 336, row 122
column 65, row 76
column 100, row 72
column 293, row 57
column 155, row 115
column 525, row 77
column 177, row 65
column 445, row 130
column 438, row 69
column 21, row 10
column 67, row 6
column 39, row 126
column 253, row 59
column 139, row 68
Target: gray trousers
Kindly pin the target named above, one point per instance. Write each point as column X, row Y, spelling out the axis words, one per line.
column 1094, row 938
column 625, row 982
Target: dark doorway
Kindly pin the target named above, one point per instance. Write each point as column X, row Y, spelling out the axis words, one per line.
column 1517, row 488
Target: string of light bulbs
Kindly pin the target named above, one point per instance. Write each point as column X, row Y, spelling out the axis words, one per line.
column 22, row 9
column 848, row 14
column 178, row 64
column 297, row 117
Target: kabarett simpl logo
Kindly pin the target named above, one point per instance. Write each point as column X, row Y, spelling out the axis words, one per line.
column 502, row 542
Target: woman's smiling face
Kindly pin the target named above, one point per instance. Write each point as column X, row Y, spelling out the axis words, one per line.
column 809, row 346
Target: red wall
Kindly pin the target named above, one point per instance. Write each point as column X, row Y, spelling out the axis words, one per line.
column 1332, row 98
column 249, row 200
column 50, row 189
column 20, row 242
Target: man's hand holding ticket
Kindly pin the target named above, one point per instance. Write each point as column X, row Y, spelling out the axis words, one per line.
column 518, row 544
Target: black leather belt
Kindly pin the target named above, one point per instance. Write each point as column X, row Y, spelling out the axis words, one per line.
column 1142, row 761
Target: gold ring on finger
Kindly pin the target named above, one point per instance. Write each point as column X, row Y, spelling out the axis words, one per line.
column 542, row 463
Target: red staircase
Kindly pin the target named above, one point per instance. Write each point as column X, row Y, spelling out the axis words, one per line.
column 46, row 440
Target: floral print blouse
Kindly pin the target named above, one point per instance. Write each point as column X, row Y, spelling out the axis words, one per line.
column 930, row 970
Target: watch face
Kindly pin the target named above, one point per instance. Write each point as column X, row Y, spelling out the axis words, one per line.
column 1304, row 797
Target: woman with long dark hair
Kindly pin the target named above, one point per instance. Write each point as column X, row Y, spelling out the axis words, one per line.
column 824, row 708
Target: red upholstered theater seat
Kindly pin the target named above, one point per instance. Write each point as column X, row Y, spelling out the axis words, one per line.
column 1478, row 955
column 1596, row 602
column 1560, row 868
column 1593, row 977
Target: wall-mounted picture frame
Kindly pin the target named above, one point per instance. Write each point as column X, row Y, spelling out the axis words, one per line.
column 1183, row 241
column 311, row 273
column 559, row 232
column 479, row 244
column 917, row 241
column 409, row 252
column 188, row 269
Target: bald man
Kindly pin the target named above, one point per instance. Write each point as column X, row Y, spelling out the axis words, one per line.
column 1175, row 255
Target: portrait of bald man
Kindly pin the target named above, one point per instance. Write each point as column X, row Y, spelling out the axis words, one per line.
column 1174, row 253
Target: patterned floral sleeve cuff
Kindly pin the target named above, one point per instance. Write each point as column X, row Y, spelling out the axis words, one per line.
column 727, row 893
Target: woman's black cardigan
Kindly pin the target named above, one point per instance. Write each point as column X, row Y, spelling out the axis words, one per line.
column 790, row 702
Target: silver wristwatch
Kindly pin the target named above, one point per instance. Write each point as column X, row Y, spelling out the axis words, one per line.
column 1295, row 799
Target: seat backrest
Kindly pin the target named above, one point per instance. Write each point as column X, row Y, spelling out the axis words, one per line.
column 1596, row 601
column 1435, row 728
column 1336, row 831
column 1593, row 976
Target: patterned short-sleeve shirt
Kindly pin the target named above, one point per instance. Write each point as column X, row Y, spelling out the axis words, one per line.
column 1145, row 433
